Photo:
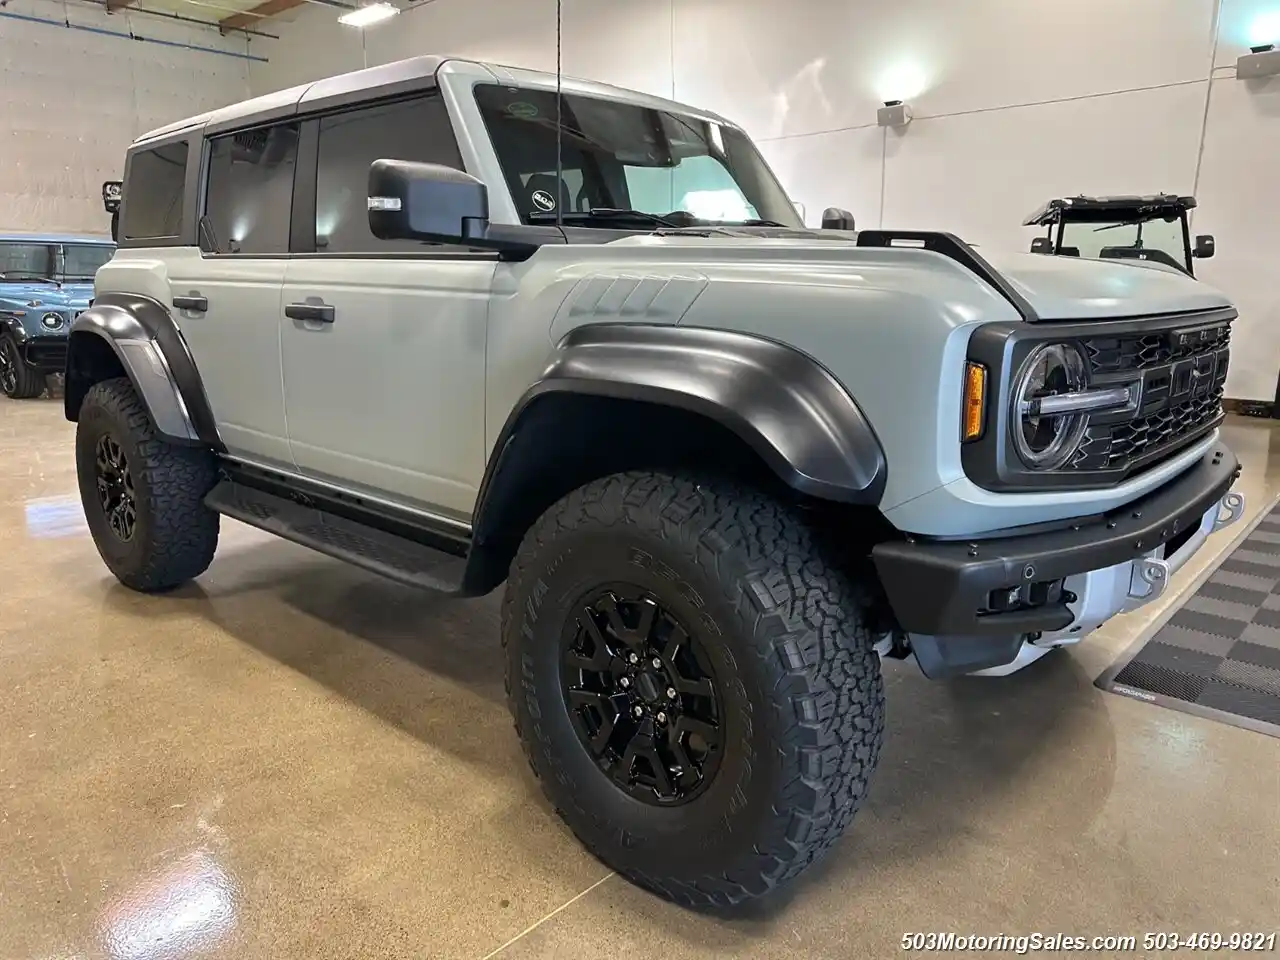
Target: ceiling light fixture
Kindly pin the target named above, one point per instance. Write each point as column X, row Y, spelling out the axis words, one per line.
column 369, row 14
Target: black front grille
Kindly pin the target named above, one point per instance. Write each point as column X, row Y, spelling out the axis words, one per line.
column 1182, row 372
column 1110, row 355
column 1120, row 445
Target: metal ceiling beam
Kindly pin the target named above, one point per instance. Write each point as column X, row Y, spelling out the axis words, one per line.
column 133, row 8
column 254, row 15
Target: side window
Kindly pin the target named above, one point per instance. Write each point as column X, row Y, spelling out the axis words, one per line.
column 250, row 189
column 153, row 210
column 416, row 129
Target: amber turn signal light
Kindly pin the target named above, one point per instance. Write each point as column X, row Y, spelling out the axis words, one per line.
column 975, row 401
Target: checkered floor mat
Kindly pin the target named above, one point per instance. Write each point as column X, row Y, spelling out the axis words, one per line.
column 1218, row 656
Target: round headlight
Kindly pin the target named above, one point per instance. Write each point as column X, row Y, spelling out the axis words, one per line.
column 1046, row 441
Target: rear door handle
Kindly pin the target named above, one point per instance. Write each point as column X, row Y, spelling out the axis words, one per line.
column 194, row 303
column 315, row 312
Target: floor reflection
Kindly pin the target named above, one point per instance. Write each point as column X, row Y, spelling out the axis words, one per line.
column 51, row 517
column 183, row 909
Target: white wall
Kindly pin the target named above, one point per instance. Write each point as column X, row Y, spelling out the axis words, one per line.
column 72, row 100
column 1016, row 101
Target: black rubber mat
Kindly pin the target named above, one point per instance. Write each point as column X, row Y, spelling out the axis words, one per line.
column 1218, row 655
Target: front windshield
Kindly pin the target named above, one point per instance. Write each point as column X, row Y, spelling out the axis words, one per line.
column 59, row 262
column 1154, row 240
column 26, row 261
column 622, row 156
column 80, row 261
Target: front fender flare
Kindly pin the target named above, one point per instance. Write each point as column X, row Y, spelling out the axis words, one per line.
column 781, row 402
column 144, row 338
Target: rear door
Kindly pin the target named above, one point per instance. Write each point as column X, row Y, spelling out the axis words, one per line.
column 383, row 343
column 227, row 294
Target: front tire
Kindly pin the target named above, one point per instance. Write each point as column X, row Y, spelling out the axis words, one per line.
column 741, row 634
column 143, row 497
column 18, row 379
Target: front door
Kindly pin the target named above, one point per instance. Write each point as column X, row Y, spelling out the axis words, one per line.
column 383, row 342
column 384, row 375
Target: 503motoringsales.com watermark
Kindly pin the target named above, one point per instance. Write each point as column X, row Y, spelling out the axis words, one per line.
column 1068, row 943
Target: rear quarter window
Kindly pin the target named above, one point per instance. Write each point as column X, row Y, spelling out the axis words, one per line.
column 153, row 192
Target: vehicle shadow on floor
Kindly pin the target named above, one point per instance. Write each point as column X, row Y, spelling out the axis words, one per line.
column 406, row 656
column 971, row 759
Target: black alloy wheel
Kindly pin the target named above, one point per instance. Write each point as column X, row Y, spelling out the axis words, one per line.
column 641, row 695
column 115, row 488
column 8, row 367
column 143, row 497
column 694, row 682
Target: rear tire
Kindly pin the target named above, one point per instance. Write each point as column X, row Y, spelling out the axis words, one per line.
column 143, row 497
column 791, row 695
column 18, row 380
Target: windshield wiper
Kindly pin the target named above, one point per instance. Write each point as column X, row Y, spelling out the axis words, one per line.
column 603, row 213
column 676, row 219
column 1113, row 226
column 19, row 277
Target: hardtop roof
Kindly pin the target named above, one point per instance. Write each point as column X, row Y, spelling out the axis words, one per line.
column 389, row 79
column 54, row 238
column 1107, row 209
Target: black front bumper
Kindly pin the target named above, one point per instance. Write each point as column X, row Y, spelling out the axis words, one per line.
column 46, row 354
column 946, row 589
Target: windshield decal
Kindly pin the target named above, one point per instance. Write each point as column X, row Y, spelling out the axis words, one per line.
column 522, row 110
column 543, row 200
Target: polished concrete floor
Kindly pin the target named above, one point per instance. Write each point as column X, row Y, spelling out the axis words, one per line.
column 291, row 759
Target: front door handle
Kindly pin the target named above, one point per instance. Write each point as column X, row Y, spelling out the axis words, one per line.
column 315, row 312
column 193, row 303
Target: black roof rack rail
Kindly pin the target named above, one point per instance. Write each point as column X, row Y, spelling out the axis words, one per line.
column 949, row 245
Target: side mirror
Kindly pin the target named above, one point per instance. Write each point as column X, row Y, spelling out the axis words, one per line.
column 426, row 201
column 1042, row 245
column 834, row 218
column 112, row 190
column 1204, row 248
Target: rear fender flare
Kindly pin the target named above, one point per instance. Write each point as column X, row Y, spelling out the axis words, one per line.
column 145, row 339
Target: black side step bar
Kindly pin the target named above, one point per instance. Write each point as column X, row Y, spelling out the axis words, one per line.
column 949, row 245
column 396, row 558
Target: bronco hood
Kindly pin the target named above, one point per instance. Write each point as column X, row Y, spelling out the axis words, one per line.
column 22, row 296
column 1056, row 288
column 1067, row 288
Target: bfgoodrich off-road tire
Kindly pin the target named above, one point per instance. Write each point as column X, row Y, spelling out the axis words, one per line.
column 785, row 644
column 18, row 380
column 146, row 508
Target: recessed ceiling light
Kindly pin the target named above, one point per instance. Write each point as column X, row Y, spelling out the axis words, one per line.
column 370, row 14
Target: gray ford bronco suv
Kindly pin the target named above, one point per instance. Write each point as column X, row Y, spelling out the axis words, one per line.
column 432, row 320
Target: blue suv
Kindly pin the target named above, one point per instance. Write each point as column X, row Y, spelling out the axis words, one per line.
column 45, row 283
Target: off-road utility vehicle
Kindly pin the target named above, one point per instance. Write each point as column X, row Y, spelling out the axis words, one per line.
column 722, row 463
column 1146, row 230
column 45, row 283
